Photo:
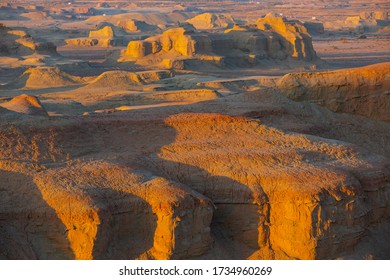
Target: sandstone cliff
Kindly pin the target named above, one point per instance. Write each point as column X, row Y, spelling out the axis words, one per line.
column 363, row 91
column 168, row 188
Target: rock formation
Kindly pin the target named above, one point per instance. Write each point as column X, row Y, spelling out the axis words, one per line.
column 105, row 35
column 272, row 194
column 25, row 104
column 363, row 91
column 44, row 77
column 18, row 42
column 273, row 38
column 227, row 156
column 211, row 21
column 366, row 22
column 293, row 36
column 145, row 217
column 131, row 25
column 377, row 15
column 124, row 79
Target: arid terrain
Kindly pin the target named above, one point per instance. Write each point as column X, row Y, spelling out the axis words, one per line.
column 195, row 129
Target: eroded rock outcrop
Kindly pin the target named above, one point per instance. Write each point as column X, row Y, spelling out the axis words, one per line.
column 25, row 104
column 365, row 22
column 44, row 77
column 293, row 36
column 286, row 192
column 29, row 227
column 363, row 91
column 131, row 25
column 211, row 21
column 272, row 38
column 105, row 35
column 19, row 42
column 276, row 194
column 144, row 217
column 123, row 79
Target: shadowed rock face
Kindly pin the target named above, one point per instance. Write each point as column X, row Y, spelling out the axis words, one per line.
column 29, row 227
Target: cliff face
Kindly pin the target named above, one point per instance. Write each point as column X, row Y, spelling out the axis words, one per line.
column 169, row 189
column 285, row 197
column 363, row 91
column 113, row 213
column 272, row 38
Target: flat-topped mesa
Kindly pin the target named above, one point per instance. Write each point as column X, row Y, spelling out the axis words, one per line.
column 270, row 39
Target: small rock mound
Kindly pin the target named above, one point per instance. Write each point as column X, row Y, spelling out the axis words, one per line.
column 25, row 104
column 45, row 77
column 211, row 21
column 124, row 79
